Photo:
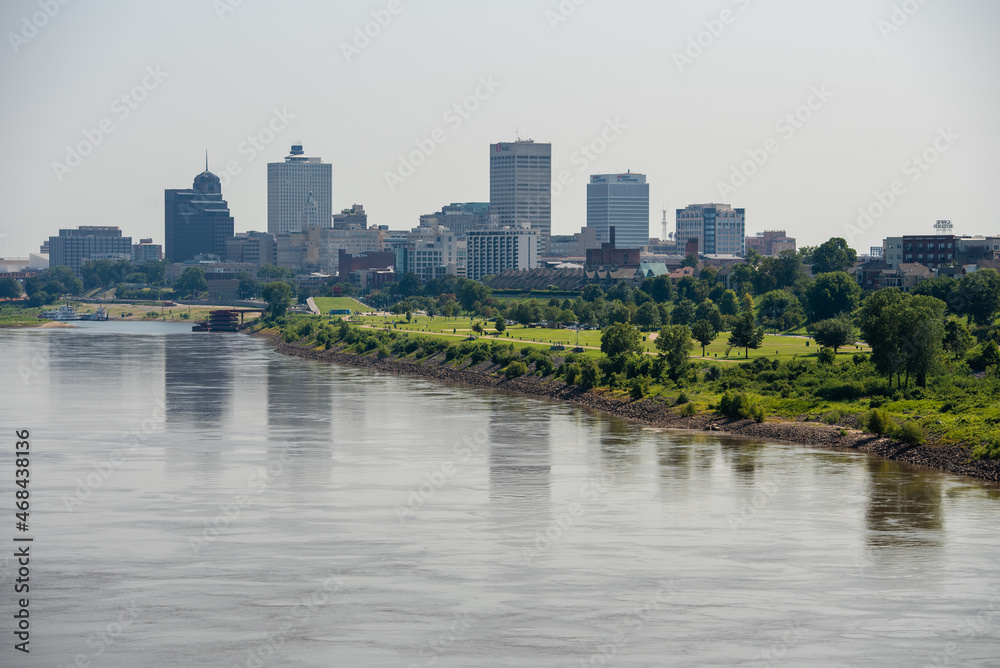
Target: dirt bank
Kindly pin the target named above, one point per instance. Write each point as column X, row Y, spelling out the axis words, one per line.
column 654, row 412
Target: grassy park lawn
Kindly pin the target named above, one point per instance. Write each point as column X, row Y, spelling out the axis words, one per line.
column 780, row 347
column 327, row 304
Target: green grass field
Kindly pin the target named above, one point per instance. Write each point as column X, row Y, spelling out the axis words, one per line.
column 780, row 347
column 327, row 304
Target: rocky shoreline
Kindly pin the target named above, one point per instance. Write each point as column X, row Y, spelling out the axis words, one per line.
column 950, row 458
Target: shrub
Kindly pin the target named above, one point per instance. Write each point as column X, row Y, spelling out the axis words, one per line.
column 682, row 398
column 911, row 433
column 382, row 353
column 516, row 369
column 831, row 418
column 639, row 388
column 713, row 373
column 544, row 366
column 589, row 374
column 878, row 422
column 988, row 449
column 617, row 381
column 571, row 372
column 786, row 391
column 741, row 405
column 689, row 410
column 827, row 356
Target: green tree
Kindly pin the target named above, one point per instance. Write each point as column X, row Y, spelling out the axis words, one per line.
column 248, row 287
column 832, row 294
column 472, row 292
column 684, row 313
column 621, row 340
column 648, row 317
column 192, row 282
column 905, row 333
column 745, row 333
column 500, row 325
column 278, row 296
column 566, row 317
column 730, row 304
column 690, row 261
column 779, row 310
column 704, row 333
column 833, row 256
column 62, row 280
column 274, row 273
column 592, row 293
column 410, row 285
column 710, row 312
column 659, row 288
column 979, row 296
column 10, row 288
column 834, row 333
column 957, row 339
column 675, row 344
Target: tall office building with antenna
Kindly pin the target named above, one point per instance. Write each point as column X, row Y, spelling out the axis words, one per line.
column 521, row 186
column 299, row 193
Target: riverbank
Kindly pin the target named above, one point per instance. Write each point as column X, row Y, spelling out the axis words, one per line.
column 656, row 413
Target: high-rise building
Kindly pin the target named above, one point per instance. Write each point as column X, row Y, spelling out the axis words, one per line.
column 299, row 193
column 74, row 247
column 258, row 248
column 620, row 201
column 521, row 186
column 718, row 228
column 492, row 251
column 146, row 251
column 770, row 243
column 459, row 218
column 196, row 221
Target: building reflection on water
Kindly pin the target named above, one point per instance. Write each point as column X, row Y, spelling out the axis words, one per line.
column 198, row 379
column 520, row 447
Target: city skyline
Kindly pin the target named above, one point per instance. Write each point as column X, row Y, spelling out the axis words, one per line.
column 836, row 125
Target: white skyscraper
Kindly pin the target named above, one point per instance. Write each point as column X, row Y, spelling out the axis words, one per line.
column 521, row 186
column 299, row 193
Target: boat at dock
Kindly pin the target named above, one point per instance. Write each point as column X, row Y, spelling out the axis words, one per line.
column 62, row 314
column 100, row 314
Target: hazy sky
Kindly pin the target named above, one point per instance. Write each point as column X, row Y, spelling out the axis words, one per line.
column 886, row 80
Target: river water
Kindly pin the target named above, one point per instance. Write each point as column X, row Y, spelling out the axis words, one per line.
column 198, row 500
